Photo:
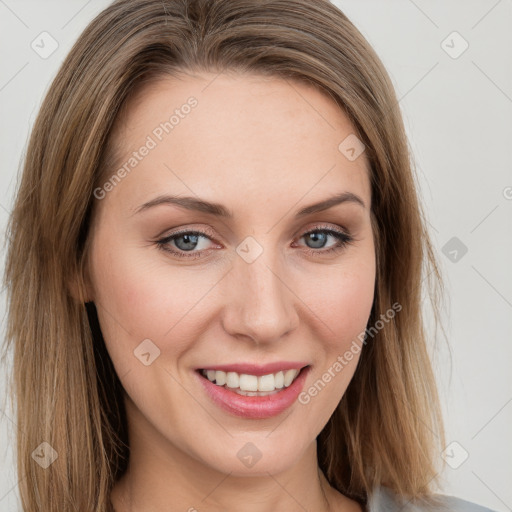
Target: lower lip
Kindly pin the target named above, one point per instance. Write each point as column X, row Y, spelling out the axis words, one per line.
column 255, row 407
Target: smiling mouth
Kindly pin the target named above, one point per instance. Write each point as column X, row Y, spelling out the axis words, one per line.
column 252, row 385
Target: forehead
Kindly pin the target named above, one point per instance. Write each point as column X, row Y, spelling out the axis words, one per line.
column 231, row 134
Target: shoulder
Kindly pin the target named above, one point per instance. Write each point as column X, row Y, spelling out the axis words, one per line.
column 383, row 499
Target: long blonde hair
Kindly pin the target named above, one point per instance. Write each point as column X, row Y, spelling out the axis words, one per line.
column 387, row 428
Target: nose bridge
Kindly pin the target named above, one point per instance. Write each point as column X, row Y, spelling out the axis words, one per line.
column 260, row 305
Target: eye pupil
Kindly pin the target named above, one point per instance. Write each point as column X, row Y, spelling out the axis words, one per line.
column 317, row 238
column 190, row 242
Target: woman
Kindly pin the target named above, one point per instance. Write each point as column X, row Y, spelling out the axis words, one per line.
column 219, row 301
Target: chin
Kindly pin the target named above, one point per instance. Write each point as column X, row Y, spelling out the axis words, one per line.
column 257, row 453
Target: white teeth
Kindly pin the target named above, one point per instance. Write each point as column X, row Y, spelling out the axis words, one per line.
column 279, row 380
column 232, row 380
column 220, row 378
column 252, row 385
column 249, row 383
column 289, row 376
column 266, row 383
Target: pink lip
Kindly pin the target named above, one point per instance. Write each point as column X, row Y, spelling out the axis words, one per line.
column 254, row 407
column 258, row 370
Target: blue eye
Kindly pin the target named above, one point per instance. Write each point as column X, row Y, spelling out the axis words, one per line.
column 319, row 237
column 187, row 244
column 184, row 242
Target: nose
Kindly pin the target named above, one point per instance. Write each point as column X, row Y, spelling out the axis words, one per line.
column 260, row 301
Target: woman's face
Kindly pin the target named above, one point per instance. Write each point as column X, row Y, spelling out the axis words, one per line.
column 261, row 283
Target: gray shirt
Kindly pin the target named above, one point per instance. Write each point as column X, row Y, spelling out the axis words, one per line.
column 384, row 500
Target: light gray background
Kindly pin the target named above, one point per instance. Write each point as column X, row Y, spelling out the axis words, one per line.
column 458, row 116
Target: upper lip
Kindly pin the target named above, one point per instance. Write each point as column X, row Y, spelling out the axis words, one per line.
column 256, row 369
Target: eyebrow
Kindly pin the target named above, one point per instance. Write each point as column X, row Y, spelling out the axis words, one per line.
column 216, row 209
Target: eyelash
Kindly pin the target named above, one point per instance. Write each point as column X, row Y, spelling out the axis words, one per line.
column 343, row 239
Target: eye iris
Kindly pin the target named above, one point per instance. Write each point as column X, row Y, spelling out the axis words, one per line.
column 317, row 238
column 190, row 242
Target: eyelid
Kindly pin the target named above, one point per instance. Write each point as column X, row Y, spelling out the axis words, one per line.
column 312, row 226
column 204, row 229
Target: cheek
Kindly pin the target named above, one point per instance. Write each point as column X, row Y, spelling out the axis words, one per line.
column 139, row 297
column 348, row 304
column 345, row 307
column 342, row 301
column 342, row 298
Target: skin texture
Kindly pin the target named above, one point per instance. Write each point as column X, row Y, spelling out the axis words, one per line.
column 264, row 148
